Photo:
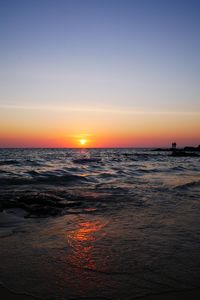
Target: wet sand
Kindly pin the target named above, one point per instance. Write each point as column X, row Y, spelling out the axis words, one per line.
column 5, row 294
column 184, row 295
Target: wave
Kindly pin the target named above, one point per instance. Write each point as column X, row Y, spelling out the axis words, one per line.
column 107, row 175
column 86, row 160
column 177, row 168
column 27, row 162
column 34, row 163
column 33, row 173
column 55, row 177
column 188, row 185
column 9, row 162
column 142, row 170
column 141, row 156
column 40, row 204
column 51, row 201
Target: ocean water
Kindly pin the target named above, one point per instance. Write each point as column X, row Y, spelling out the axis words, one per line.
column 98, row 223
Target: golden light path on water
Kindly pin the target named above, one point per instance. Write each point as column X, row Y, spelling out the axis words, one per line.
column 82, row 241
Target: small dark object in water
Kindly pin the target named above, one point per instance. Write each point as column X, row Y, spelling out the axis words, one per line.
column 186, row 151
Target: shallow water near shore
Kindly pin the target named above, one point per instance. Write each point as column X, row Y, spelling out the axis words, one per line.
column 98, row 223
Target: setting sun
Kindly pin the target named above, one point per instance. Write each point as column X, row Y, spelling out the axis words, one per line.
column 83, row 141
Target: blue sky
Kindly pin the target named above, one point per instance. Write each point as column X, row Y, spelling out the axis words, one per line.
column 100, row 54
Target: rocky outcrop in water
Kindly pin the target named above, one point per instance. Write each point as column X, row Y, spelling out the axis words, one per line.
column 182, row 152
column 38, row 204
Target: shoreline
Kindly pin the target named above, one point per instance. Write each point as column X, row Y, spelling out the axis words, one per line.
column 6, row 294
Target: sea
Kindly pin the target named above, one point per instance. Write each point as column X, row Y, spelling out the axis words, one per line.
column 98, row 223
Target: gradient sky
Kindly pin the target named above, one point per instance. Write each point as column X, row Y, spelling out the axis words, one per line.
column 118, row 73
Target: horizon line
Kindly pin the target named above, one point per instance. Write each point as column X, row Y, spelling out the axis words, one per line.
column 86, row 148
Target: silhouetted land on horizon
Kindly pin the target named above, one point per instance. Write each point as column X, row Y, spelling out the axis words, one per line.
column 182, row 152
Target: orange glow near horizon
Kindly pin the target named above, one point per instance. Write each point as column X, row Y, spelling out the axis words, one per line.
column 110, row 140
column 50, row 129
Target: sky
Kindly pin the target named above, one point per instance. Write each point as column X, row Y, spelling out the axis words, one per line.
column 117, row 73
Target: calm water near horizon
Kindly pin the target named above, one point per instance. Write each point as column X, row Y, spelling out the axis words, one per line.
column 98, row 223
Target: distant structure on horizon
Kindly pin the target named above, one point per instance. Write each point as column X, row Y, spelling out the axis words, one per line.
column 174, row 146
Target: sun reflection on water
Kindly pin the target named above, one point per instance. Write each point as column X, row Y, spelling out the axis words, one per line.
column 83, row 242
